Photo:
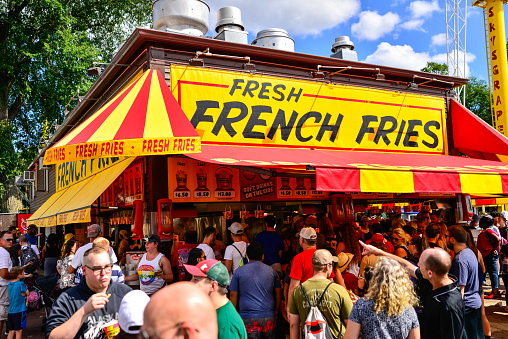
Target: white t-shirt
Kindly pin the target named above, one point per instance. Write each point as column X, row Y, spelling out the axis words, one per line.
column 5, row 262
column 78, row 256
column 36, row 250
column 232, row 254
column 208, row 251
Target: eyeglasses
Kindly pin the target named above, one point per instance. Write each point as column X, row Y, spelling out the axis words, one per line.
column 181, row 329
column 97, row 270
column 9, row 239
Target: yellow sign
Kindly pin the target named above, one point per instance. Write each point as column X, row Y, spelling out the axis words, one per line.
column 246, row 109
column 69, row 173
column 498, row 59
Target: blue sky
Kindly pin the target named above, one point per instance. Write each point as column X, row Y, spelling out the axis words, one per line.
column 398, row 33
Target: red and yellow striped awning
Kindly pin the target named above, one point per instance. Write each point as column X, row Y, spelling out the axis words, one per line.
column 373, row 172
column 143, row 119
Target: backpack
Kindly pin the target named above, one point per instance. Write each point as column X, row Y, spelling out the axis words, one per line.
column 316, row 325
column 244, row 257
column 488, row 243
column 28, row 255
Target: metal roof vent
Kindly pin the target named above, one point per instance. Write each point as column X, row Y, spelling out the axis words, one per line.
column 275, row 38
column 229, row 25
column 181, row 16
column 343, row 48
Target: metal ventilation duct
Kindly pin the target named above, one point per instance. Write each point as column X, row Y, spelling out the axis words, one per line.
column 182, row 16
column 343, row 48
column 275, row 38
column 229, row 25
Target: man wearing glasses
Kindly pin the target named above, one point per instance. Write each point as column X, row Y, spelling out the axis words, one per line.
column 6, row 240
column 82, row 311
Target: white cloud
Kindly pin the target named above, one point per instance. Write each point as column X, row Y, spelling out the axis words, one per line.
column 373, row 26
column 420, row 9
column 298, row 17
column 404, row 56
column 413, row 25
column 438, row 39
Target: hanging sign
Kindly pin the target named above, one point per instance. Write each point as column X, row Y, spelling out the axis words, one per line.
column 245, row 109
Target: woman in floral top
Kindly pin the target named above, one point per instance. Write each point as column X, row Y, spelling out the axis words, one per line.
column 62, row 266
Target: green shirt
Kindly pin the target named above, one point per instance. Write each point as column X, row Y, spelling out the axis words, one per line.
column 230, row 323
column 335, row 306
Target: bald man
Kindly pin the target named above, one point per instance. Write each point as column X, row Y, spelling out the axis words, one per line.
column 443, row 307
column 187, row 311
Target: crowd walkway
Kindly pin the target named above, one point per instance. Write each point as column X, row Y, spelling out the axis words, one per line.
column 497, row 316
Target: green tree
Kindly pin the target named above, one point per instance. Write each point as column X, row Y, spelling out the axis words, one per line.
column 478, row 99
column 477, row 92
column 45, row 48
column 436, row 68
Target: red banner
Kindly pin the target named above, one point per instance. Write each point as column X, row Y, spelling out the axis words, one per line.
column 22, row 224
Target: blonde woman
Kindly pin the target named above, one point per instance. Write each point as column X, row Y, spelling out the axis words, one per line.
column 387, row 310
column 399, row 240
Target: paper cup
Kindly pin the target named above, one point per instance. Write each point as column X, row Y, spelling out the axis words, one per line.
column 112, row 329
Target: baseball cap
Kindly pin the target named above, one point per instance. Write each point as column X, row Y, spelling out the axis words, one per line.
column 154, row 238
column 322, row 257
column 343, row 259
column 130, row 314
column 94, row 230
column 377, row 240
column 32, row 226
column 236, row 228
column 308, row 233
column 476, row 218
column 212, row 269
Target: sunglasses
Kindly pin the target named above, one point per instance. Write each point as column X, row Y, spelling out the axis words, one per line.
column 10, row 239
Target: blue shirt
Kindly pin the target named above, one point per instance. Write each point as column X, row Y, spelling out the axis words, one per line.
column 465, row 268
column 17, row 302
column 273, row 243
column 31, row 239
column 255, row 284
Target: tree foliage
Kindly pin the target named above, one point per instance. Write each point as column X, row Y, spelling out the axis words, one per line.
column 477, row 92
column 45, row 48
column 435, row 68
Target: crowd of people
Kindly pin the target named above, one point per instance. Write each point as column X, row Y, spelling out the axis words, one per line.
column 378, row 278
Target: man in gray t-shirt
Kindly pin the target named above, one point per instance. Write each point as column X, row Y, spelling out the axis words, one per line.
column 465, row 268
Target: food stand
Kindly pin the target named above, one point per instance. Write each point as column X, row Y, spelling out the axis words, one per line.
column 188, row 139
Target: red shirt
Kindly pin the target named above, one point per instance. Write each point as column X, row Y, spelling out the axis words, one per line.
column 301, row 268
column 180, row 257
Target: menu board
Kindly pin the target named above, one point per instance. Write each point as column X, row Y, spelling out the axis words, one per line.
column 257, row 187
column 133, row 183
column 298, row 189
column 195, row 181
column 114, row 195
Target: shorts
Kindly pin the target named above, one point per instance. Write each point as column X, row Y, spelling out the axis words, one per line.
column 260, row 328
column 16, row 321
column 4, row 303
